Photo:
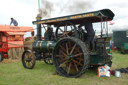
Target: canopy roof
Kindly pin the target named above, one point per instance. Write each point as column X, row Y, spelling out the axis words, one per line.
column 94, row 16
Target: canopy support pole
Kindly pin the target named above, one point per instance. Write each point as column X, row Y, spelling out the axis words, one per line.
column 101, row 26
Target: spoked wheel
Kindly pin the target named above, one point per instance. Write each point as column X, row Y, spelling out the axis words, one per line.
column 28, row 59
column 1, row 57
column 48, row 59
column 70, row 57
column 66, row 29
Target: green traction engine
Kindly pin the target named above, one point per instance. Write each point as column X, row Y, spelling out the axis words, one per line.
column 65, row 43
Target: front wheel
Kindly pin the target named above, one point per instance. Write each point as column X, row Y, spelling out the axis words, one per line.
column 28, row 59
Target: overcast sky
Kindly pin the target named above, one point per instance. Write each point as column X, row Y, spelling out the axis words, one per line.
column 25, row 11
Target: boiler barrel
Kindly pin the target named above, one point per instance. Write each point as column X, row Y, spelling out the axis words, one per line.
column 43, row 46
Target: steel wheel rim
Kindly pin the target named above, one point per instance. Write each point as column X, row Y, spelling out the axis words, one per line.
column 28, row 59
column 48, row 60
column 66, row 29
column 72, row 65
column 1, row 57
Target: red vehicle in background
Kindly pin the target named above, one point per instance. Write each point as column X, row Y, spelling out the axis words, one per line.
column 11, row 37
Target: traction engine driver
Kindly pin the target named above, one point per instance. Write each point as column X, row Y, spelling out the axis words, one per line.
column 90, row 33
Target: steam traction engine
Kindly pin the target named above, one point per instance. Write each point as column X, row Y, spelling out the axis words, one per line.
column 67, row 46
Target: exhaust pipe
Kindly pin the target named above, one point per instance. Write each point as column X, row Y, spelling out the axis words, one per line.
column 38, row 29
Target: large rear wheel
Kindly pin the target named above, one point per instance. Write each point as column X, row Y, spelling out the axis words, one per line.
column 70, row 57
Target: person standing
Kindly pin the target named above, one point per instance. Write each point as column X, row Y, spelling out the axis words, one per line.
column 90, row 33
column 14, row 22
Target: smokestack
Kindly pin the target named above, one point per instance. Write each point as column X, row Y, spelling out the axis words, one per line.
column 38, row 29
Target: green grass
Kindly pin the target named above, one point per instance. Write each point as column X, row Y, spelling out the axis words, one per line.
column 42, row 74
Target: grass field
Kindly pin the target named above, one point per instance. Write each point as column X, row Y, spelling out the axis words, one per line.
column 13, row 73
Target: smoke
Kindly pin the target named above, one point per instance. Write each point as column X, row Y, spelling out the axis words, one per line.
column 60, row 7
column 45, row 9
column 77, row 6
